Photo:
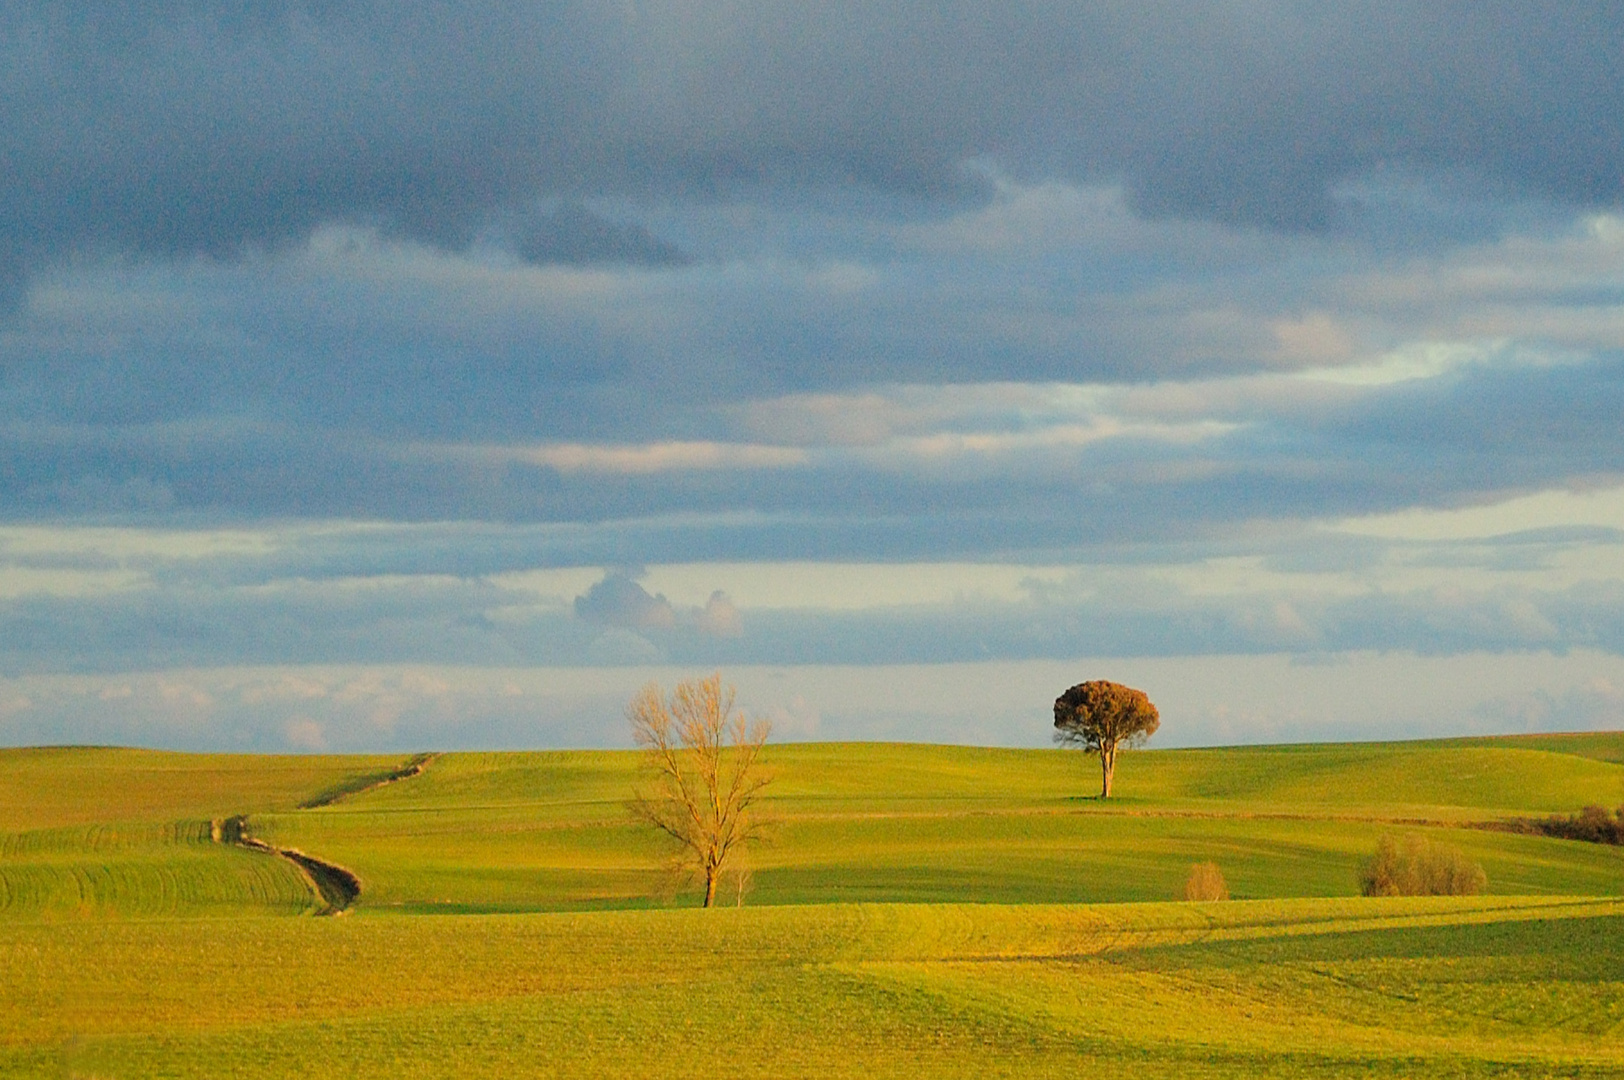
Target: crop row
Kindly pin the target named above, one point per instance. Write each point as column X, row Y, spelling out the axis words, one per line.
column 175, row 871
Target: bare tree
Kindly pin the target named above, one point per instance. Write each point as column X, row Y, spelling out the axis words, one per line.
column 1101, row 716
column 705, row 759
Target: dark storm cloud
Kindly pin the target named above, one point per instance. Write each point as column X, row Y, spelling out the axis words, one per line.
column 191, row 127
column 200, row 128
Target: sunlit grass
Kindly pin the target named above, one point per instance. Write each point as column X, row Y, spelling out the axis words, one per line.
column 53, row 786
column 1342, row 987
column 487, row 941
column 856, row 822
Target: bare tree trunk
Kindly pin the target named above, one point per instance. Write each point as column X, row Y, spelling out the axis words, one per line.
column 704, row 756
column 1107, row 767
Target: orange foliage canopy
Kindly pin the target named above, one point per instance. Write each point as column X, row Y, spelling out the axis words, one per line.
column 1101, row 716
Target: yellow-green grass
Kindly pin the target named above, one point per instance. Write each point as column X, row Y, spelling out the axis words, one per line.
column 1371, row 988
column 510, row 860
column 96, row 832
column 124, row 871
column 1601, row 745
column 1461, row 778
column 512, row 832
column 1443, row 780
column 126, row 950
column 854, row 822
column 46, row 787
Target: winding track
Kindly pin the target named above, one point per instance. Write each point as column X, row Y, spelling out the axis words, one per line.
column 334, row 888
column 413, row 766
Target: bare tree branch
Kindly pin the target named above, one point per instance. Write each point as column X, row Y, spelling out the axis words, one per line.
column 704, row 758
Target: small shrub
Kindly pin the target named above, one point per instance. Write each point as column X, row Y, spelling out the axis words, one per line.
column 1420, row 868
column 1206, row 882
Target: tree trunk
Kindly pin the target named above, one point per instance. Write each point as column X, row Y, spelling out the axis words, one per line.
column 710, row 886
column 1107, row 767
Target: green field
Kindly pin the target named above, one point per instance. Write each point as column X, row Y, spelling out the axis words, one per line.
column 921, row 910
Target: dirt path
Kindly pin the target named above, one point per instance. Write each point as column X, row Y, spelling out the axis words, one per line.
column 338, row 888
column 334, row 888
column 414, row 766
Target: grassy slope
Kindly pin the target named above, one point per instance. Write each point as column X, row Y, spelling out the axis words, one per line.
column 96, row 831
column 133, row 870
column 515, row 832
column 44, row 787
column 1275, row 988
column 1601, row 745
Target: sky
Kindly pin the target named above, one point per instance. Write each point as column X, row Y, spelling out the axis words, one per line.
column 383, row 377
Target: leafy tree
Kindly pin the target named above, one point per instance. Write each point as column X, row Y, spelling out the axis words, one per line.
column 704, row 757
column 1101, row 717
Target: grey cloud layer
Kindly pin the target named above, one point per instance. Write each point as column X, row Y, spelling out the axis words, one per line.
column 1297, row 592
column 893, row 473
column 423, row 298
column 193, row 127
